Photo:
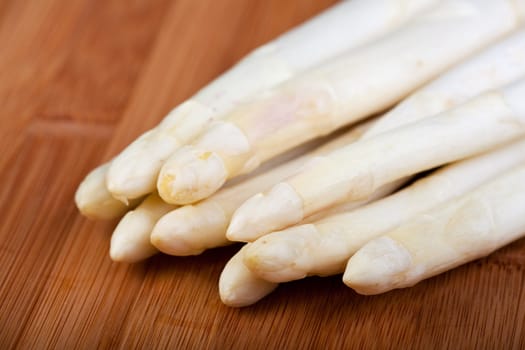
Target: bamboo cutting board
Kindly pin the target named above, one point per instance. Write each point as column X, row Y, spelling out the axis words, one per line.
column 79, row 80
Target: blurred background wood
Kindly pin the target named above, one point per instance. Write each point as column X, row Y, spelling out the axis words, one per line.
column 79, row 80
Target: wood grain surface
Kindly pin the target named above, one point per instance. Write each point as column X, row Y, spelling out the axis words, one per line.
column 79, row 79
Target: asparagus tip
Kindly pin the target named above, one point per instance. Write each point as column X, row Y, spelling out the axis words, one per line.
column 130, row 240
column 191, row 175
column 239, row 287
column 190, row 229
column 172, row 244
column 129, row 180
column 264, row 213
column 275, row 259
column 93, row 199
column 377, row 267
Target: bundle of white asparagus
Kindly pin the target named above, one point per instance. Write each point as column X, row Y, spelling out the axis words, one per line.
column 452, row 73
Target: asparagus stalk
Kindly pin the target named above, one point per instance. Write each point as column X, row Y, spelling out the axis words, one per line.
column 130, row 241
column 458, row 232
column 323, row 247
column 191, row 229
column 355, row 171
column 133, row 173
column 355, row 85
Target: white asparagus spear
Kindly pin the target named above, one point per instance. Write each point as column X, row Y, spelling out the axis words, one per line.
column 133, row 173
column 356, row 85
column 238, row 286
column 323, row 247
column 456, row 233
column 355, row 171
column 130, row 241
column 191, row 229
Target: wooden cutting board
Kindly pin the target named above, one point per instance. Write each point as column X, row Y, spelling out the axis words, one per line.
column 78, row 81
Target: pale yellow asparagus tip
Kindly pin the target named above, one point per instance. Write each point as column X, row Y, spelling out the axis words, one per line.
column 133, row 172
column 94, row 200
column 264, row 213
column 121, row 188
column 275, row 259
column 130, row 241
column 190, row 230
column 166, row 236
column 239, row 287
column 191, row 175
column 376, row 265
